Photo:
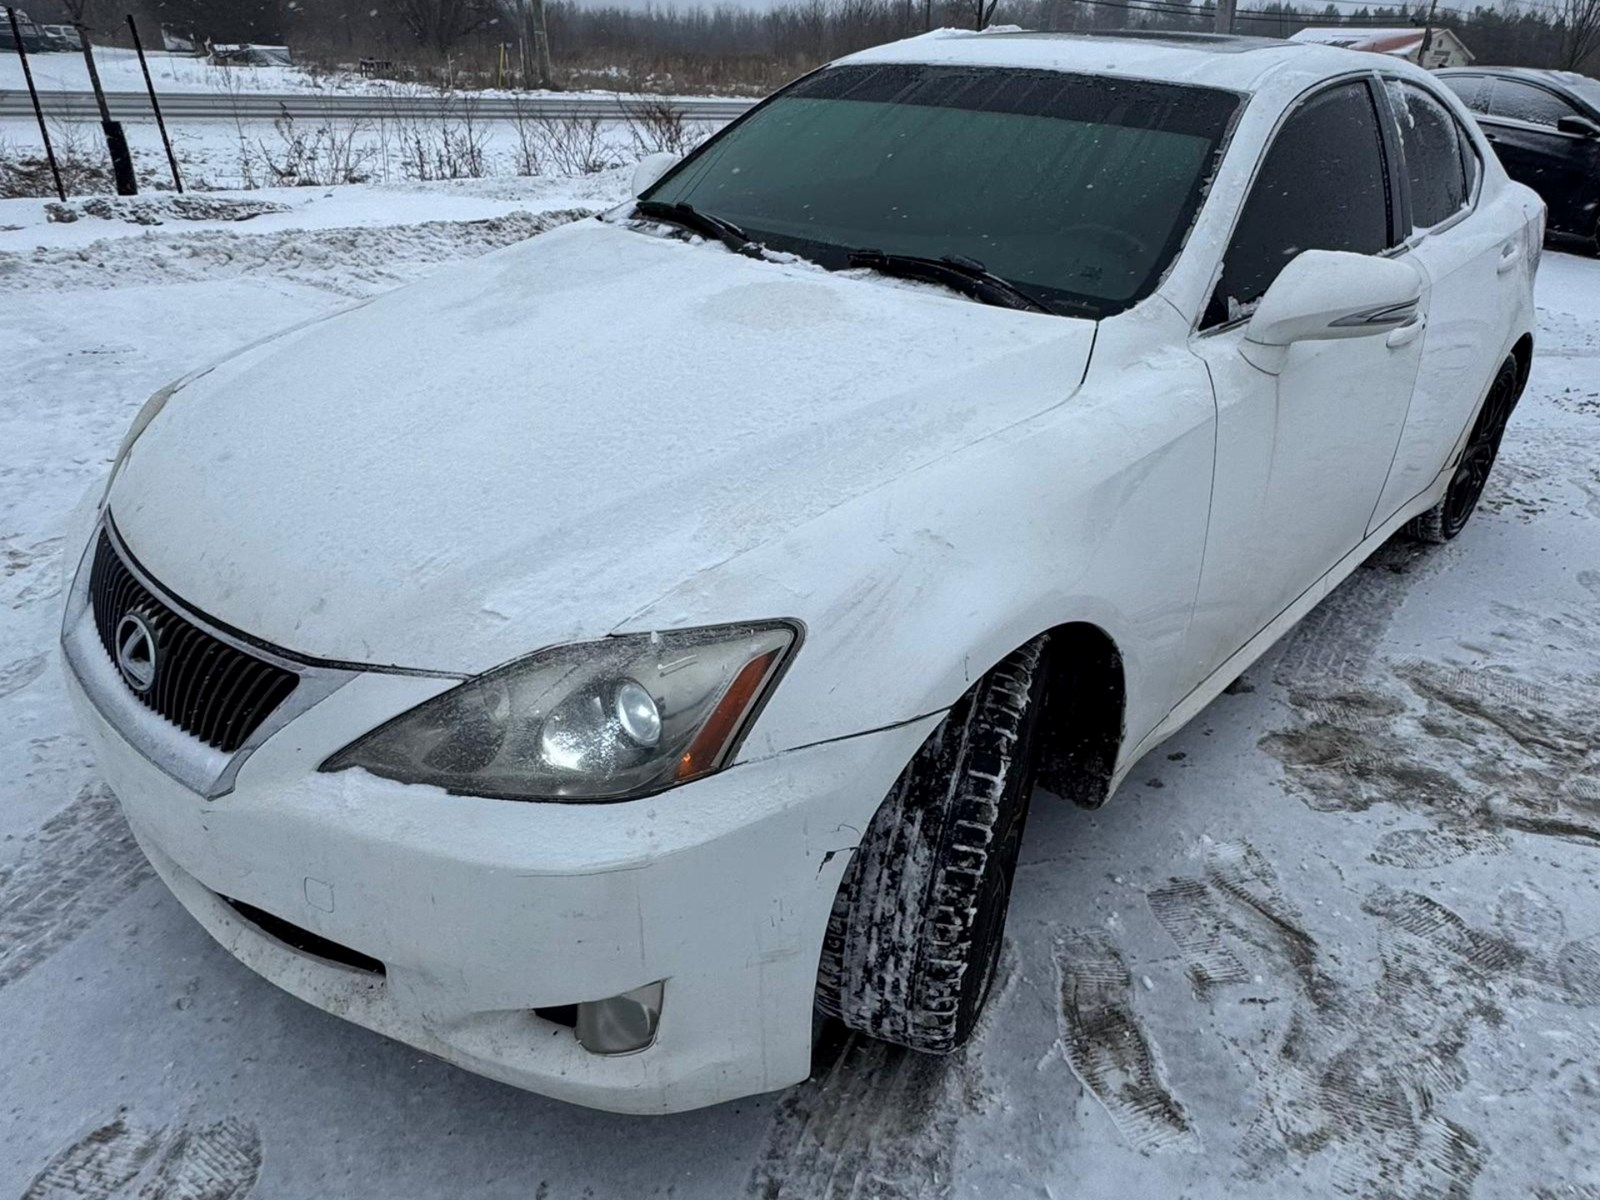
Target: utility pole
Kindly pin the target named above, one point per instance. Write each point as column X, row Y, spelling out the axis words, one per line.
column 116, row 140
column 1225, row 16
column 539, row 41
column 1427, row 35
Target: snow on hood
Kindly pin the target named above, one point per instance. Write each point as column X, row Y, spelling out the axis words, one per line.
column 532, row 447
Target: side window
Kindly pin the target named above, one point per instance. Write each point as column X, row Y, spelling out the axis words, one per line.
column 1524, row 102
column 1430, row 143
column 1473, row 90
column 1322, row 186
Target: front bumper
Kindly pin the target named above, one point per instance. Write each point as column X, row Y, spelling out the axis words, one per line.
column 483, row 910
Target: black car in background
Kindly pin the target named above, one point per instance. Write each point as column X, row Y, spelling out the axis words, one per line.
column 1545, row 126
column 33, row 40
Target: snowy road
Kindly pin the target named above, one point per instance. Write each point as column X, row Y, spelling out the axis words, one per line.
column 1339, row 937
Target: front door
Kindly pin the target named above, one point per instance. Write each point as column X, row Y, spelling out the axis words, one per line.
column 1302, row 453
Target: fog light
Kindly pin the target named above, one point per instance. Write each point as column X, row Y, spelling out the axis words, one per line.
column 623, row 1024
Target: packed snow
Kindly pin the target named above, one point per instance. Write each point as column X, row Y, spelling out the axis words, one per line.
column 64, row 71
column 1339, row 936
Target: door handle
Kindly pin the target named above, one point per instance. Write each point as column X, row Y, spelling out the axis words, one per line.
column 1510, row 256
column 1407, row 333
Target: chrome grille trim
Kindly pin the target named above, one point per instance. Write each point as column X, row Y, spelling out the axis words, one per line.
column 199, row 736
column 210, row 689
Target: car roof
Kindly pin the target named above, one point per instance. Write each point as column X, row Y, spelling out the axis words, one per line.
column 1512, row 72
column 1236, row 63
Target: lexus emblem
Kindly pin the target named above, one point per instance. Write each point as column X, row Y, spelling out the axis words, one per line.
column 136, row 652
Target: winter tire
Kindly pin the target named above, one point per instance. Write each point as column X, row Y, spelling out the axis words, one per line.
column 916, row 928
column 1447, row 518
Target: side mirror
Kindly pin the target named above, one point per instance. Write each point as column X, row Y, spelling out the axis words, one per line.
column 651, row 168
column 1325, row 294
column 1582, row 126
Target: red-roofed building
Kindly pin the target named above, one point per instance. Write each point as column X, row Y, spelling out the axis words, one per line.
column 1445, row 49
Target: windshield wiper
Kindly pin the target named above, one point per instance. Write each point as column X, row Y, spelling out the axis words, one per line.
column 956, row 271
column 704, row 223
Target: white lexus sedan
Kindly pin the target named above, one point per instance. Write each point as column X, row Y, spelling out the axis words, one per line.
column 589, row 664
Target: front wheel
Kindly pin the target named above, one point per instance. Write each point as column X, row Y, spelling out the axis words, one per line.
column 1447, row 518
column 916, row 928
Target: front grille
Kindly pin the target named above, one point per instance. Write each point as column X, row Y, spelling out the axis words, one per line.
column 210, row 689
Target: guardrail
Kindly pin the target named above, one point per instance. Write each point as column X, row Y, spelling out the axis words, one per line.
column 204, row 106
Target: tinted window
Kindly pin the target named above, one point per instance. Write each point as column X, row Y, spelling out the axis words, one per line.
column 1321, row 187
column 1076, row 188
column 1524, row 102
column 1473, row 90
column 1430, row 142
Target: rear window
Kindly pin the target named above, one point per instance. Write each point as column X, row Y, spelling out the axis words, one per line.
column 1526, row 102
column 1473, row 90
column 1435, row 157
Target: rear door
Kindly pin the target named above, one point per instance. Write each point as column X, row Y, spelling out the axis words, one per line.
column 1469, row 250
column 1520, row 123
column 1302, row 454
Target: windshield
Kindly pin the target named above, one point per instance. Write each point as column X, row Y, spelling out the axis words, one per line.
column 1077, row 189
column 1586, row 88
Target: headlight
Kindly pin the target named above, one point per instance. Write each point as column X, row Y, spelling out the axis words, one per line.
column 607, row 720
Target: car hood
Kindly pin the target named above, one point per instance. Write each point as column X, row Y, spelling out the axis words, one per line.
column 532, row 447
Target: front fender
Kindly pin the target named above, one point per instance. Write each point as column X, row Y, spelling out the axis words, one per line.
column 1092, row 511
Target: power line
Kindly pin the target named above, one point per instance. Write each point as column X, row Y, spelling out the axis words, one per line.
column 1290, row 14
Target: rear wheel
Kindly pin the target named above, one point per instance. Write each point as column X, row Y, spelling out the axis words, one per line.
column 1447, row 518
column 916, row 928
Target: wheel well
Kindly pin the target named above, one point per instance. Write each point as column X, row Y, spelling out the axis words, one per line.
column 1082, row 724
column 1522, row 352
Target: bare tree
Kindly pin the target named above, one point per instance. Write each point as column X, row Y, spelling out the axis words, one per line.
column 1581, row 35
column 441, row 24
column 528, row 18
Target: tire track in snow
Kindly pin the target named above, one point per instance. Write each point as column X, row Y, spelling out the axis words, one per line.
column 1109, row 1051
column 878, row 1121
column 1339, row 638
column 874, row 1120
column 122, row 1160
column 79, row 865
column 1481, row 752
column 14, row 676
column 1357, row 1077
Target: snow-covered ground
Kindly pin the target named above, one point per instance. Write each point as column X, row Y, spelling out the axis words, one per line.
column 1341, row 936
column 119, row 72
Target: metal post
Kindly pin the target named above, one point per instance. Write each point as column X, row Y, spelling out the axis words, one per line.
column 27, row 73
column 172, row 159
column 1224, row 15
